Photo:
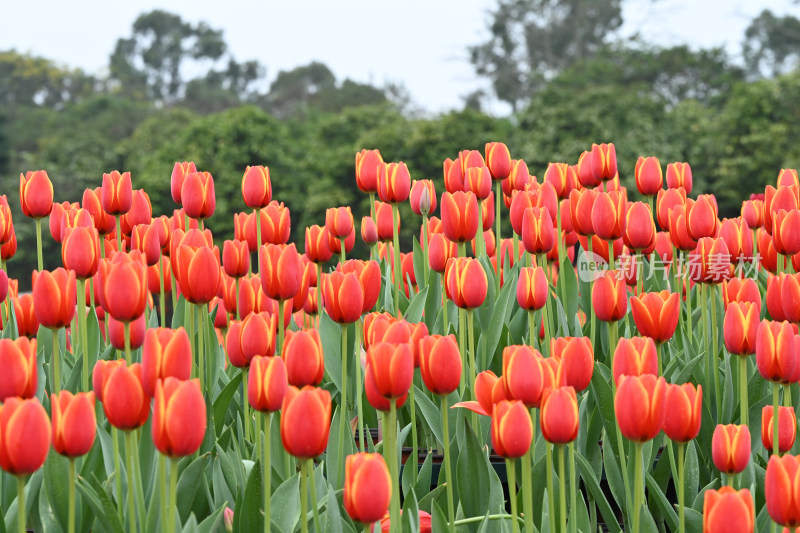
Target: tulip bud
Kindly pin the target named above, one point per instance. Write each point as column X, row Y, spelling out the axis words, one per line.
column 728, row 508
column 460, row 216
column 740, row 328
column 466, row 282
column 302, row 353
column 179, row 173
column 267, row 384
column 367, row 163
column 576, row 360
column 18, row 361
column 423, row 197
column 787, row 428
column 776, row 351
column 125, row 403
column 683, row 412
column 367, row 487
column 24, row 436
column 636, row 356
column 609, row 297
column 440, row 363
column 679, row 175
column 35, row 194
column 74, row 423
column 780, row 490
column 54, row 297
column 730, row 448
column 512, row 429
column 560, row 419
column 639, row 406
column 179, row 415
column 166, row 353
column 343, row 297
column 656, row 314
column 498, row 159
column 256, row 187
column 305, row 421
column 649, row 178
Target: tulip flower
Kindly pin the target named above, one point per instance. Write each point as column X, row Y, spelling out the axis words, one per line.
column 710, row 262
column 197, row 195
column 57, row 217
column 27, row 324
column 730, row 448
column 440, row 363
column 117, row 196
column 302, row 353
column 656, row 314
column 562, row 178
column 367, row 163
column 608, row 215
column 787, row 428
column 728, row 511
column 636, row 356
column 460, row 216
column 125, row 402
column 179, row 415
column 648, row 175
column 640, row 230
column 123, row 287
column 776, row 352
column 512, row 429
column 141, row 212
column 35, row 194
column 367, row 487
column 394, row 182
column 639, row 406
column 305, row 421
column 538, row 234
column 74, row 423
column 24, row 436
column 267, row 383
column 339, row 221
column 166, row 353
column 753, row 213
column 790, row 297
column 532, row 289
column 316, row 244
column 786, row 231
column 54, row 297
column 343, row 297
column 18, row 361
column 576, row 360
column 523, row 377
column 780, row 489
column 701, row 217
column 603, row 159
column 179, row 173
column 521, row 201
column 683, row 412
column 369, row 275
column 775, row 200
column 235, row 258
column 369, row 231
column 391, row 367
column 440, row 251
column 581, row 205
column 116, row 333
column 256, row 187
column 559, row 419
column 498, row 159
column 609, row 297
column 280, row 271
column 738, row 238
column 665, row 202
column 275, row 225
column 466, row 282
column 741, row 327
column 774, row 297
column 741, row 290
column 679, row 175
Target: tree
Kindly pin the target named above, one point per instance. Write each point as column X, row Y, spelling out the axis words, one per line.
column 533, row 40
column 772, row 45
column 27, row 80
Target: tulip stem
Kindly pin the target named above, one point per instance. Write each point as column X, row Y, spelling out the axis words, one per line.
column 343, row 404
column 623, row 460
column 246, row 405
column 527, row 489
column 119, row 233
column 472, row 370
column 706, row 349
column 395, row 256
column 342, row 250
column 686, row 284
column 303, row 498
column 480, row 243
column 573, row 493
column 451, row 515
column 445, row 322
column 201, row 342
column 83, row 333
column 318, row 289
column 562, row 488
column 173, row 494
column 126, row 328
column 715, row 349
column 638, row 495
column 257, row 212
column 71, row 497
column 462, row 348
column 39, row 258
column 266, row 466
column 390, row 449
column 425, row 265
column 512, row 491
column 21, row 511
column 414, row 463
column 313, row 479
column 590, row 311
column 498, row 194
column 551, row 499
column 611, row 263
column 164, row 495
column 775, row 417
column 359, row 384
column 562, row 256
column 117, row 472
column 162, row 297
column 681, row 466
column 56, row 362
column 532, row 328
column 131, row 488
column 743, row 399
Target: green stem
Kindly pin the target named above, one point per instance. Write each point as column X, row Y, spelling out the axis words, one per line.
column 414, row 462
column 681, row 280
column 512, row 490
column 562, row 486
column 126, row 328
column 266, row 465
column 39, row 257
column 246, row 405
column 117, row 472
column 303, row 498
column 623, row 460
column 590, row 311
column 573, row 492
column 258, row 239
column 174, row 291
column 343, row 404
column 704, row 311
column 83, row 334
column 613, row 340
column 445, row 322
column 532, row 328
column 472, row 369
column 191, row 332
column 611, row 262
column 562, row 256
column 775, row 418
column 119, row 233
column 359, row 384
column 163, row 494
column 451, row 514
column 56, row 362
column 498, row 194
column 201, row 341
column 312, row 477
column 551, row 500
column 425, row 264
column 173, row 494
column 527, row 489
column 162, row 297
column 281, row 328
column 391, row 451
column 131, row 489
column 71, row 497
column 462, row 347
column 712, row 289
column 638, row 497
column 681, row 466
column 22, row 512
column 397, row 278
column 480, row 244
column 319, row 290
column 743, row 399
column 639, row 273
column 137, row 478
column 257, row 437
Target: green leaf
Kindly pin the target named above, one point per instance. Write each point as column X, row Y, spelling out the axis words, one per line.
column 688, row 369
column 56, row 481
column 423, row 485
column 433, row 300
column 188, row 484
column 597, row 493
column 286, row 504
column 506, row 301
column 409, row 519
column 486, row 310
column 655, row 493
column 646, row 522
column 419, row 263
column 438, row 518
column 212, row 522
column 416, row 307
column 47, row 514
column 430, row 413
column 691, row 479
column 472, row 477
column 223, row 401
column 100, row 501
column 248, row 515
column 331, row 336
column 604, row 399
column 567, row 276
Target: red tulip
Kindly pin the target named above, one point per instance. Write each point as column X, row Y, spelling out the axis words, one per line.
column 317, row 248
column 636, row 356
column 179, row 173
column 466, row 282
column 117, row 194
column 280, row 271
column 701, row 217
column 256, row 187
column 440, row 251
column 679, row 175
column 753, row 213
column 609, row 297
column 656, row 314
column 562, row 177
column 74, row 423
column 125, row 402
column 394, row 182
column 235, row 258
column 522, row 374
column 339, row 222
column 54, row 297
column 683, row 412
column 498, row 159
column 786, row 231
column 197, row 195
column 576, row 360
column 453, row 176
column 267, row 384
column 305, row 421
column 27, row 323
column 276, row 225
column 141, row 212
column 179, row 415
column 532, row 289
column 581, row 205
column 391, row 367
column 440, row 363
column 728, row 511
column 123, row 286
column 738, row 238
column 116, row 332
column 775, row 200
column 538, row 234
column 367, row 487
column 423, row 197
column 780, row 489
column 302, row 353
column 18, row 361
column 730, row 448
column 640, row 230
column 35, row 194
column 24, row 436
column 639, row 406
column 198, row 269
column 512, row 429
column 648, row 175
column 608, row 215
column 367, row 163
column 560, row 419
column 166, row 353
column 460, row 216
column 369, row 275
column 604, row 161
column 776, row 351
column 740, row 328
column 710, row 262
column 343, row 297
column 787, row 428
column 666, row 201
column 741, row 290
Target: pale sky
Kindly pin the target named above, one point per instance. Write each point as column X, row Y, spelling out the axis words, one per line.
column 421, row 43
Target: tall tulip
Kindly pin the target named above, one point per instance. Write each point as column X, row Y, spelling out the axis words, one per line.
column 256, row 187
column 18, row 361
column 36, row 202
column 787, row 428
column 367, row 487
column 780, row 489
column 728, row 511
column 656, row 314
column 730, row 448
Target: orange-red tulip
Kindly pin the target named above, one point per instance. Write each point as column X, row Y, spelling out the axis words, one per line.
column 775, row 200
column 728, row 511
column 317, row 248
column 740, row 328
column 179, row 416
column 440, row 363
column 701, row 217
column 774, row 297
column 18, row 361
column 656, row 314
column 27, row 324
column 423, row 197
column 639, row 406
column 466, row 282
column 179, row 173
column 683, row 412
column 276, row 225
column 640, row 230
column 116, row 332
column 776, row 351
column 610, row 297
column 562, row 177
column 369, row 275
column 35, row 194
column 738, row 238
column 280, row 271
column 648, row 175
column 581, row 205
column 391, row 367
column 166, row 353
column 343, row 297
column 383, row 216
column 730, row 448
column 787, row 428
column 479, row 181
column 790, row 296
column 141, row 212
column 339, row 221
column 367, row 163
column 710, row 262
column 256, row 187
column 394, row 182
column 512, row 429
column 608, row 215
column 440, row 251
column 305, row 421
column 117, row 194
column 57, row 217
column 522, row 374
column 786, row 231
column 538, row 233
column 781, row 489
column 197, row 195
column 560, row 419
column 369, row 231
column 235, row 258
column 576, row 360
column 24, row 436
column 666, row 201
column 753, row 213
column 125, row 402
column 302, row 353
column 604, row 161
column 267, row 383
column 367, row 487
column 532, row 290
column 54, row 297
column 74, row 422
column 636, row 356
column 679, row 175
column 460, row 216
column 741, row 290
column 498, row 159
column 198, row 268
column 123, row 286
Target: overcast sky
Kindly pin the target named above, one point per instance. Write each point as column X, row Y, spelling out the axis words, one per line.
column 420, row 43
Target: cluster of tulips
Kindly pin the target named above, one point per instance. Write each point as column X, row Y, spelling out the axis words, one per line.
column 257, row 379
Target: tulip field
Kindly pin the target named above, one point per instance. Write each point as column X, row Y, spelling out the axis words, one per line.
column 551, row 354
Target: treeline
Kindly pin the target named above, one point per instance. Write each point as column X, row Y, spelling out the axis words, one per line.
column 736, row 125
